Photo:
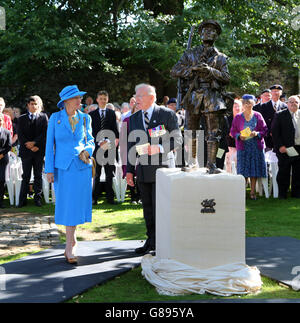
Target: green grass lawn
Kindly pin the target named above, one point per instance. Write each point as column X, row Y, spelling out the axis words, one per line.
column 264, row 217
column 273, row 217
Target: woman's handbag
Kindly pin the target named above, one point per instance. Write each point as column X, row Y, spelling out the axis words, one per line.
column 92, row 158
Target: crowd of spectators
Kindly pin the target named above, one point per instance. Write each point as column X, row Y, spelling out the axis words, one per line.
column 255, row 126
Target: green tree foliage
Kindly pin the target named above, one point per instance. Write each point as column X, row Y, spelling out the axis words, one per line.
column 110, row 36
column 255, row 34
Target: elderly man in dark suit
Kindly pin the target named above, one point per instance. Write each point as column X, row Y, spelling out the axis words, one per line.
column 5, row 147
column 32, row 131
column 286, row 138
column 106, row 134
column 154, row 133
column 269, row 109
column 265, row 96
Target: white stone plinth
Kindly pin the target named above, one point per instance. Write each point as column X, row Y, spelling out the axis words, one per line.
column 202, row 240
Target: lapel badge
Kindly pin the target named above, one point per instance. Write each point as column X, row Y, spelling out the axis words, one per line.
column 58, row 121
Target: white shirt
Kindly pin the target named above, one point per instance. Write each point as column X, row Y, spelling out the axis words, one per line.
column 277, row 102
column 102, row 111
column 31, row 115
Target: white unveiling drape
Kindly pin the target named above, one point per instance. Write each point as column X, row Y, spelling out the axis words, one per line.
column 174, row 278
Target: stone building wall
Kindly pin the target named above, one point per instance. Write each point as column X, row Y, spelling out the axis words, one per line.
column 287, row 77
column 121, row 87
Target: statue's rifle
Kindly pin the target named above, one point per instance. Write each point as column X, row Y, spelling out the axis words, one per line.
column 179, row 81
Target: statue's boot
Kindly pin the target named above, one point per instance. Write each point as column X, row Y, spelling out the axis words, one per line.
column 212, row 148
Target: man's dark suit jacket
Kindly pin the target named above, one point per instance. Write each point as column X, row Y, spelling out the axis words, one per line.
column 110, row 123
column 268, row 112
column 5, row 147
column 169, row 141
column 283, row 130
column 29, row 130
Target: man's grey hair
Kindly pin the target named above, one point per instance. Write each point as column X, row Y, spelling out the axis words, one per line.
column 125, row 105
column 294, row 96
column 150, row 89
column 110, row 106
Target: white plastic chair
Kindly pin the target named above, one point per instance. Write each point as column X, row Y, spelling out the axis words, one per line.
column 262, row 186
column 233, row 168
column 274, row 184
column 46, row 187
column 272, row 161
column 52, row 193
column 119, row 183
column 13, row 178
column 9, row 180
column 18, row 180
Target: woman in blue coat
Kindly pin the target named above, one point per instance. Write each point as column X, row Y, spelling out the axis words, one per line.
column 68, row 165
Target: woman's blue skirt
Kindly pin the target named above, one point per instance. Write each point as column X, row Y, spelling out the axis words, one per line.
column 73, row 195
column 251, row 160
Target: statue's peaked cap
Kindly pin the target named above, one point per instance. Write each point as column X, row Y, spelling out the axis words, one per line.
column 210, row 22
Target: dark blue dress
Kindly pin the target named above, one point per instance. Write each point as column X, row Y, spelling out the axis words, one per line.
column 251, row 160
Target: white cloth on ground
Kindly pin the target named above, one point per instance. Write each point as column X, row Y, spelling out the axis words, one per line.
column 174, row 278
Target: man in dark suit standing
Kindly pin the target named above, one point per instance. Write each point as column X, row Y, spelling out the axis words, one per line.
column 269, row 109
column 265, row 96
column 154, row 133
column 286, row 138
column 32, row 131
column 5, row 147
column 106, row 134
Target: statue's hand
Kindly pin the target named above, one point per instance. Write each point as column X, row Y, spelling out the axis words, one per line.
column 202, row 68
column 188, row 73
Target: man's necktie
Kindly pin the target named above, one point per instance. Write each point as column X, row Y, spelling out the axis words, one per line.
column 275, row 106
column 101, row 120
column 147, row 121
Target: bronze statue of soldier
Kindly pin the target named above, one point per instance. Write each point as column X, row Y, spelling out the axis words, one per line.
column 204, row 74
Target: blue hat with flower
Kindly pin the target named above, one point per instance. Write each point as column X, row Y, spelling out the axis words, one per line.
column 249, row 97
column 69, row 92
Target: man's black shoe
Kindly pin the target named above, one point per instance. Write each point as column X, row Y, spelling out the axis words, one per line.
column 21, row 204
column 140, row 251
column 111, row 202
column 152, row 253
column 38, row 203
column 296, row 196
column 282, row 197
column 144, row 250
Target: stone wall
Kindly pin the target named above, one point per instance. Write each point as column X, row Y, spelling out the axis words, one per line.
column 121, row 87
column 287, row 77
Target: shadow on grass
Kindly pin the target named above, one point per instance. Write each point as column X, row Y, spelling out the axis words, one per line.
column 46, row 209
column 116, row 290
